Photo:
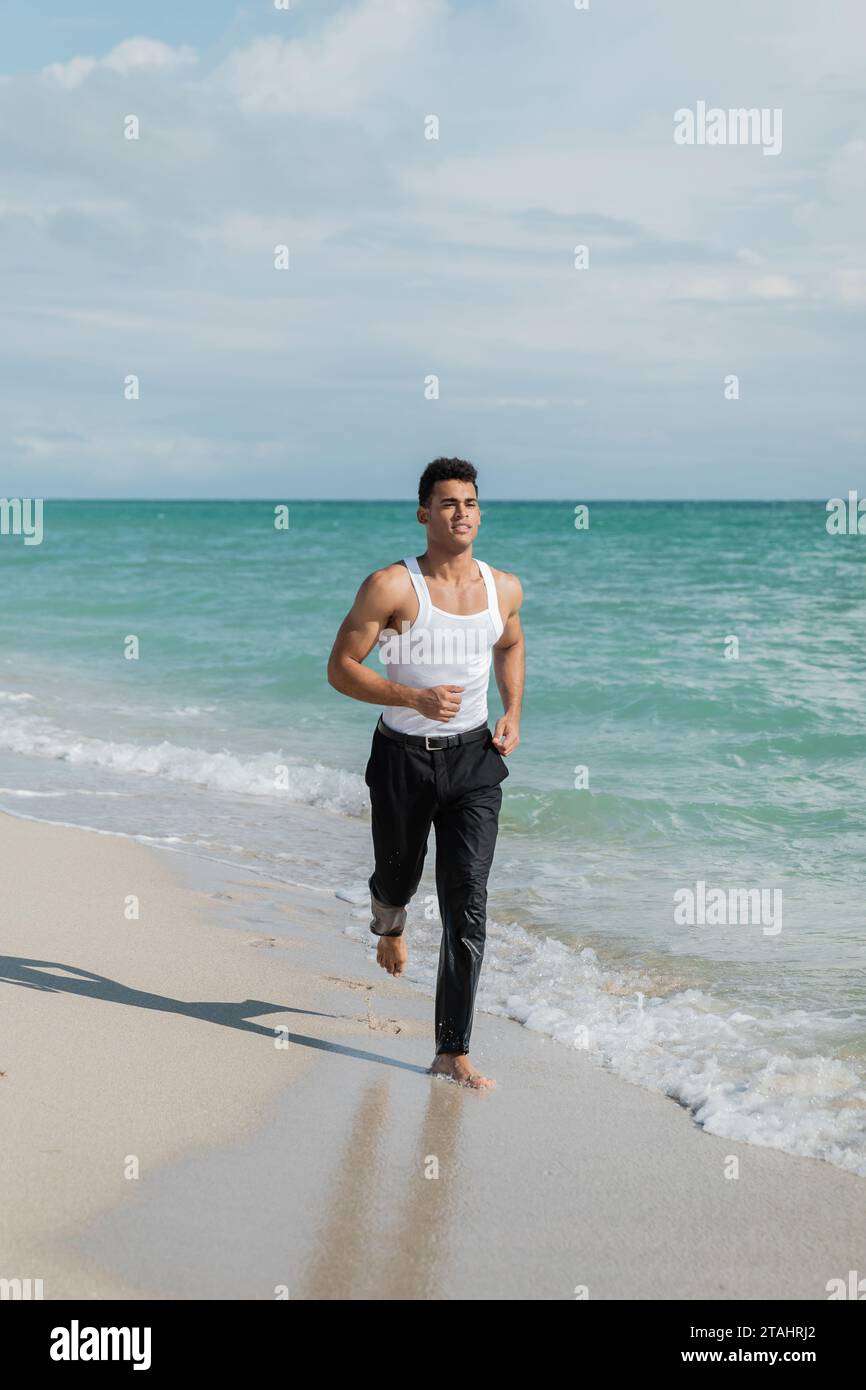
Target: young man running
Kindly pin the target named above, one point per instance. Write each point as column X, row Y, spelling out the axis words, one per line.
column 438, row 619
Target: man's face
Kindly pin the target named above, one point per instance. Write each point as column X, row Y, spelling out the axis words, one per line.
column 453, row 516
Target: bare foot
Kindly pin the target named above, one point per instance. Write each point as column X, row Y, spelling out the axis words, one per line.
column 457, row 1067
column 391, row 954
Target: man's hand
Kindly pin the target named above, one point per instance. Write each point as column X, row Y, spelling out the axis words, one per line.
column 506, row 735
column 439, row 701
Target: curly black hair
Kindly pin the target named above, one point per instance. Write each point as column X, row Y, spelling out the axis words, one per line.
column 444, row 471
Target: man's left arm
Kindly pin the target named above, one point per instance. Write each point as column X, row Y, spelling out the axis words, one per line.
column 509, row 665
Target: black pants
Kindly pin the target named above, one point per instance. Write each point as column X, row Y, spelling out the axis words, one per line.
column 457, row 790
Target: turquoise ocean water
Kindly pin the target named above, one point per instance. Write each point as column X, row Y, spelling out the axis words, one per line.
column 742, row 773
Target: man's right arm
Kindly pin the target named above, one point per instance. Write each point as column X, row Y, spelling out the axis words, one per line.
column 377, row 599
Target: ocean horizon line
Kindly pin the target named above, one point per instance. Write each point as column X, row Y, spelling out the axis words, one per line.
column 522, row 501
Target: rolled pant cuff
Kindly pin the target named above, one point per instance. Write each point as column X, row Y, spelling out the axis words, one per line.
column 387, row 921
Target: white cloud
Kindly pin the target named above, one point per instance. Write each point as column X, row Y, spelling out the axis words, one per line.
column 253, row 236
column 728, row 286
column 411, row 255
column 773, row 287
column 823, row 46
column 334, row 73
column 130, row 56
column 846, row 174
column 849, row 286
column 173, row 451
column 667, row 190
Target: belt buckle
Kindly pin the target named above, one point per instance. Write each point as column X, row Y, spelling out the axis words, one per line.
column 433, row 747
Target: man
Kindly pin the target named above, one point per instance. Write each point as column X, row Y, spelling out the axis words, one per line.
column 438, row 619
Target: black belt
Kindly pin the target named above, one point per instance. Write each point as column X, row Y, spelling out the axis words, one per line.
column 433, row 742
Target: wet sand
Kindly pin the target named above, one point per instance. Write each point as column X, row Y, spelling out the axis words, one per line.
column 325, row 1162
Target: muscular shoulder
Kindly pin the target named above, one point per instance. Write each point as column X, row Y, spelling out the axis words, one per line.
column 391, row 579
column 383, row 590
column 509, row 590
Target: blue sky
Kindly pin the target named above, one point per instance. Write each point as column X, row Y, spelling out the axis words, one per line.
column 412, row 257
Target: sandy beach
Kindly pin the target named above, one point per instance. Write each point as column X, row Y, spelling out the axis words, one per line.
column 224, row 1097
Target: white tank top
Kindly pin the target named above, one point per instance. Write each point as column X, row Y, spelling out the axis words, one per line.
column 442, row 648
